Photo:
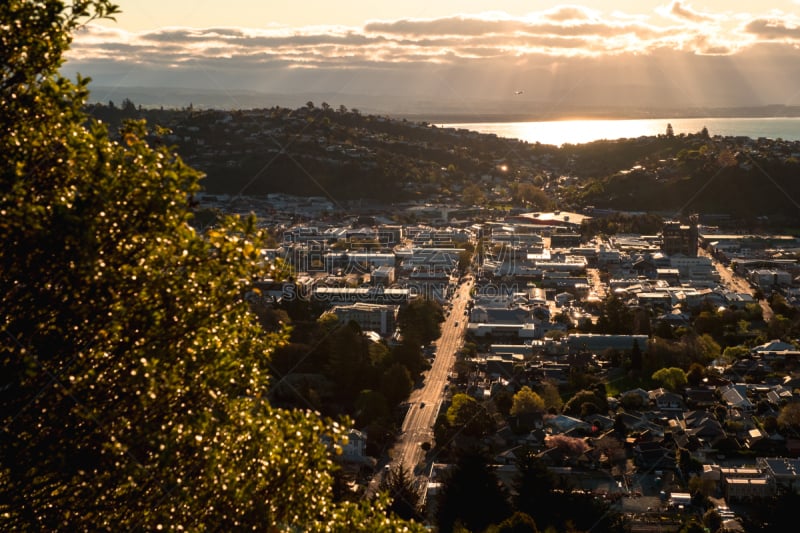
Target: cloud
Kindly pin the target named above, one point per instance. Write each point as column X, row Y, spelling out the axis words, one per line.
column 774, row 29
column 684, row 12
column 570, row 13
column 475, row 52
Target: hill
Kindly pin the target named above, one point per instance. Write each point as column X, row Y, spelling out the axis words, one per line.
column 344, row 155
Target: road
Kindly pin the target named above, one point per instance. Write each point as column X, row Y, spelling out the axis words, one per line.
column 424, row 402
column 735, row 282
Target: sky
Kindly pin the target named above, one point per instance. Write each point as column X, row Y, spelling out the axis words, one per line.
column 454, row 56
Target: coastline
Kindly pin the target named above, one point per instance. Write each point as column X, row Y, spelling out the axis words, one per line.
column 769, row 111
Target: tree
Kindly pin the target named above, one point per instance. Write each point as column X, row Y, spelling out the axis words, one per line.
column 396, row 383
column 615, row 317
column 789, row 416
column 473, row 195
column 134, row 374
column 575, row 404
column 571, row 446
column 420, row 321
column 526, row 401
column 670, row 133
column 672, row 378
column 549, row 393
column 516, row 523
column 466, row 413
column 528, row 194
column 695, row 374
column 400, row 485
column 369, row 407
column 693, row 526
column 712, row 520
column 471, row 496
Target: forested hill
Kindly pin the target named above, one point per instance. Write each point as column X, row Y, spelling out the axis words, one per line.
column 344, row 154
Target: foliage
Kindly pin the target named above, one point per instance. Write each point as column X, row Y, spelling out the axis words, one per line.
column 646, row 224
column 473, row 195
column 571, row 446
column 470, row 416
column 552, row 505
column 693, row 526
column 527, row 194
column 712, row 520
column 732, row 353
column 134, row 374
column 503, row 400
column 400, row 485
column 526, row 401
column 789, row 417
column 396, row 383
column 516, row 523
column 615, row 317
column 549, row 393
column 671, row 378
column 472, row 496
column 695, row 374
column 369, row 407
column 420, row 321
column 575, row 404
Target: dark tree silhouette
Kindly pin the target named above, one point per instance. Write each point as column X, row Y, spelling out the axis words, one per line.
column 401, row 487
column 472, row 496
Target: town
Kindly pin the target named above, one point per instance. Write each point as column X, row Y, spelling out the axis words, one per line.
column 661, row 367
column 639, row 365
column 324, row 318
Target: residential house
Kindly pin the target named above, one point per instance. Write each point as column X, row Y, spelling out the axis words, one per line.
column 704, row 426
column 700, row 398
column 652, row 455
column 735, row 397
column 666, row 400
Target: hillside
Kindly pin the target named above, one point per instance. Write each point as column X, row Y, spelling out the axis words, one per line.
column 344, row 155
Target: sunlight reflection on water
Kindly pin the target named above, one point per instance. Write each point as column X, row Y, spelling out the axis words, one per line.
column 559, row 132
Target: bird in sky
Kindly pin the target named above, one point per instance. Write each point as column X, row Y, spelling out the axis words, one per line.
column 518, row 92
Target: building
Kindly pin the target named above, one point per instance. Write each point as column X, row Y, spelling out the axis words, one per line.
column 769, row 278
column 782, row 471
column 383, row 276
column 374, row 295
column 681, row 239
column 738, row 489
column 597, row 343
column 370, row 317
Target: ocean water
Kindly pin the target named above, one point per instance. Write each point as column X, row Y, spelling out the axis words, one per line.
column 560, row 132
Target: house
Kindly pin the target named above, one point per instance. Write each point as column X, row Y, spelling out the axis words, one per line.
column 700, row 398
column 356, row 445
column 704, row 426
column 639, row 393
column 666, row 400
column 779, row 395
column 652, row 455
column 564, row 423
column 638, row 421
column 734, row 397
column 775, row 345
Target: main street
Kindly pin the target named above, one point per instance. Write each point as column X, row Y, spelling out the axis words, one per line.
column 425, row 402
column 732, row 281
